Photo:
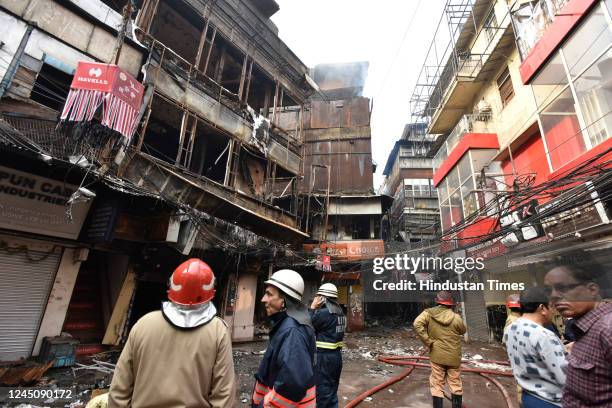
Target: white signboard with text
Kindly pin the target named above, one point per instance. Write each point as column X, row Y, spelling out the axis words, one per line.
column 37, row 204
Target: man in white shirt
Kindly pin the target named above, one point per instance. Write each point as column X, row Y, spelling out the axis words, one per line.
column 536, row 354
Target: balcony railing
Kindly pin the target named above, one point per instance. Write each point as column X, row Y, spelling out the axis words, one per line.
column 90, row 140
column 473, row 123
column 532, row 20
column 463, row 66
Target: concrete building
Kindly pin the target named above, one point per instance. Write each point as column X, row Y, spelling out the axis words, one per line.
column 520, row 101
column 414, row 216
column 95, row 218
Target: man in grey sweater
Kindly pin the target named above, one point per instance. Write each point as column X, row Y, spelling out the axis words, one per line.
column 536, row 354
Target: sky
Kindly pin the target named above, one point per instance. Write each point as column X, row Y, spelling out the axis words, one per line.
column 392, row 35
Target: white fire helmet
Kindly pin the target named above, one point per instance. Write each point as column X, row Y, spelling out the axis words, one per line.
column 289, row 282
column 328, row 290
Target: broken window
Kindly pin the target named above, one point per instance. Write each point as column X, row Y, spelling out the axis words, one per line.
column 260, row 92
column 228, row 71
column 162, row 133
column 284, row 190
column 210, row 153
column 51, row 87
column 504, row 84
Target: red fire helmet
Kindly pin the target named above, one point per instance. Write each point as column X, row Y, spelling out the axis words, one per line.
column 513, row 300
column 192, row 283
column 445, row 298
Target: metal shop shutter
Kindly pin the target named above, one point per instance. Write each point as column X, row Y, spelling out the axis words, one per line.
column 476, row 315
column 24, row 289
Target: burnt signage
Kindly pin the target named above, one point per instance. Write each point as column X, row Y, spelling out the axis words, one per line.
column 37, row 204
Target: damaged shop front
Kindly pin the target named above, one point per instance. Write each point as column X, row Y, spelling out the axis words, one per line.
column 40, row 257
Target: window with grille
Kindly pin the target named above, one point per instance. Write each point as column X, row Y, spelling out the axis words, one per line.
column 504, row 84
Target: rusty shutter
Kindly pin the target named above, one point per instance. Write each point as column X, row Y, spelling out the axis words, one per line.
column 25, row 284
column 476, row 315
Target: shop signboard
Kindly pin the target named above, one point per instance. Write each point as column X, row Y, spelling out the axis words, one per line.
column 575, row 219
column 349, row 250
column 36, row 204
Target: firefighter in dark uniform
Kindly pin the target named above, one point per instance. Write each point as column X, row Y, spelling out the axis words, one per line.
column 329, row 323
column 286, row 378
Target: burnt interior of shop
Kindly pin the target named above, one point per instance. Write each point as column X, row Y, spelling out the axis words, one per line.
column 210, row 146
column 391, row 313
column 284, row 189
column 155, row 268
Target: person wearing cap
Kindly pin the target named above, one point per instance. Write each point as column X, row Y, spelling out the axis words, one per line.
column 514, row 312
column 329, row 323
column 180, row 356
column 440, row 329
column 286, row 377
column 514, row 309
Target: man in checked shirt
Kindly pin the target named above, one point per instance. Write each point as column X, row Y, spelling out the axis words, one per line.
column 575, row 289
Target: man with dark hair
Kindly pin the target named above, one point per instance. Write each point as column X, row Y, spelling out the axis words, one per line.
column 575, row 291
column 440, row 329
column 535, row 353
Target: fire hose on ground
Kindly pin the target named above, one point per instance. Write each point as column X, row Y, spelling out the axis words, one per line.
column 405, row 361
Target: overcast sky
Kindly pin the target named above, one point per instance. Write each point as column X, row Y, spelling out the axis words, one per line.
column 326, row 31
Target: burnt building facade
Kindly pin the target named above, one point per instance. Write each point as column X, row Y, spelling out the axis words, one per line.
column 101, row 200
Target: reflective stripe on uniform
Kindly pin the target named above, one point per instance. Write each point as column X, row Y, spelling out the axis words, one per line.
column 275, row 400
column 330, row 346
column 259, row 392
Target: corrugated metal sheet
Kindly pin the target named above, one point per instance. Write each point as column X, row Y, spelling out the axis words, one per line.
column 346, row 113
column 350, row 163
column 24, row 290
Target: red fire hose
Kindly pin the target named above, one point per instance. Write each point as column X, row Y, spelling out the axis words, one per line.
column 422, row 365
column 501, row 388
column 404, row 361
column 359, row 399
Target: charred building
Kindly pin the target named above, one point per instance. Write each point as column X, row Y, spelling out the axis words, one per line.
column 134, row 136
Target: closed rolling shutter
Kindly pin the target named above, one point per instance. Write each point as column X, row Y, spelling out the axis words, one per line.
column 24, row 289
column 476, row 315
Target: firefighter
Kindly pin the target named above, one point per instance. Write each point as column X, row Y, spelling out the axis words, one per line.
column 514, row 309
column 329, row 324
column 440, row 329
column 285, row 377
column 180, row 356
column 514, row 312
